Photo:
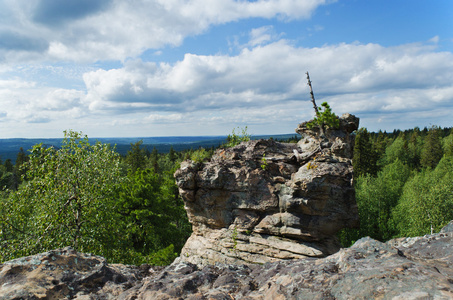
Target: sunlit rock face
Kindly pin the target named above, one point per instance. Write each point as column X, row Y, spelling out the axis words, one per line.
column 264, row 201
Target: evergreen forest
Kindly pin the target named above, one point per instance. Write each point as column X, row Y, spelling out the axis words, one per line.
column 127, row 207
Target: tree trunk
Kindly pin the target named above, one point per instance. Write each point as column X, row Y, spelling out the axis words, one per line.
column 312, row 95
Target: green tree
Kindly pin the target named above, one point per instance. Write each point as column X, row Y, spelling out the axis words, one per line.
column 432, row 149
column 67, row 200
column 20, row 169
column 5, row 178
column 201, row 155
column 426, row 204
column 150, row 204
column 414, row 149
column 365, row 157
column 154, row 159
column 234, row 138
column 136, row 157
column 376, row 198
column 447, row 145
column 325, row 118
column 9, row 165
column 398, row 150
column 172, row 154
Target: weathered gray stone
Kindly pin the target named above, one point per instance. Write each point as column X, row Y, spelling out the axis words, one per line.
column 406, row 268
column 264, row 190
column 65, row 274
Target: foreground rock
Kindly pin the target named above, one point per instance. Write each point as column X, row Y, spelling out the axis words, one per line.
column 65, row 274
column 410, row 268
column 265, row 201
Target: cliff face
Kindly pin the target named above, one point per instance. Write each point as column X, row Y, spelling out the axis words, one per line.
column 264, row 201
column 406, row 268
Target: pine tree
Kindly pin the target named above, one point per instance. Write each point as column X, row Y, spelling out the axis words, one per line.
column 9, row 165
column 136, row 157
column 172, row 154
column 415, row 145
column 365, row 158
column 432, row 149
column 154, row 159
column 447, row 144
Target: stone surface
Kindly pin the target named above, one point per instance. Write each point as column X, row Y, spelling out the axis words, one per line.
column 406, row 268
column 264, row 201
column 65, row 274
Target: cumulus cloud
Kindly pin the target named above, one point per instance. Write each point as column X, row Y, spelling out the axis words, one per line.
column 84, row 30
column 262, row 35
column 25, row 102
column 354, row 78
column 262, row 85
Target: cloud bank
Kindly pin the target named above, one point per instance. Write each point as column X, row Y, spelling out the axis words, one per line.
column 80, row 66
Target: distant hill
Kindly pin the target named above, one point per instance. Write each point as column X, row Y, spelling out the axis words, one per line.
column 10, row 147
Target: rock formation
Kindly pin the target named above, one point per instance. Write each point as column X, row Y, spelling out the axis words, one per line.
column 406, row 268
column 264, row 201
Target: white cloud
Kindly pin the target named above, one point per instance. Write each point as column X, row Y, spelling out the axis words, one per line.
column 25, row 102
column 263, row 86
column 434, row 39
column 355, row 78
column 117, row 30
column 262, row 35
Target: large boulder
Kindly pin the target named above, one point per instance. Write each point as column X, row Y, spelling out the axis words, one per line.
column 264, row 201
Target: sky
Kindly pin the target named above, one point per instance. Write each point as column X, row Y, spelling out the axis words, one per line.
column 139, row 68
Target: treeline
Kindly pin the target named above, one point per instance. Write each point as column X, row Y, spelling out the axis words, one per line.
column 403, row 183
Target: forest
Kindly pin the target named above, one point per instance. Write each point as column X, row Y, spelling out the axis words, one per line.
column 127, row 207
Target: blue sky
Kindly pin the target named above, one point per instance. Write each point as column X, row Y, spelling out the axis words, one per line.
column 113, row 68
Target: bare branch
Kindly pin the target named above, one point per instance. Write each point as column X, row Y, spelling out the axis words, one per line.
column 312, row 94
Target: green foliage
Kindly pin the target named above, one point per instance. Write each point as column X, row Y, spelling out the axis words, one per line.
column 324, row 118
column 378, row 196
column 398, row 150
column 153, row 211
column 172, row 154
column 136, row 157
column 67, row 200
column 6, row 176
column 365, row 157
column 154, row 160
column 432, row 149
column 200, row 155
column 264, row 162
column 447, row 145
column 427, row 201
column 234, row 138
column 234, row 238
column 77, row 196
column 412, row 195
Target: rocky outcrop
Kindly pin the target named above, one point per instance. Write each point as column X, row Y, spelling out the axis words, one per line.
column 406, row 268
column 264, row 201
column 66, row 274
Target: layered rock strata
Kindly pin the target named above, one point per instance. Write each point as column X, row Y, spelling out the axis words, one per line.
column 264, row 201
